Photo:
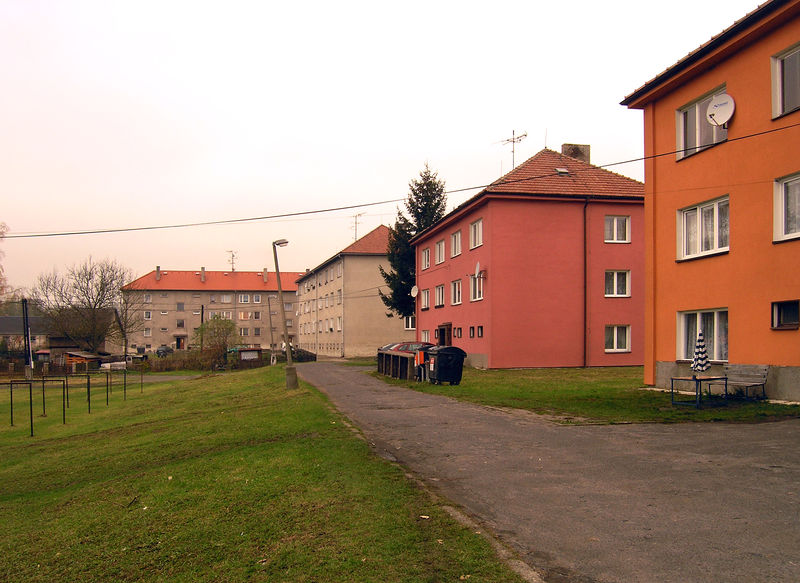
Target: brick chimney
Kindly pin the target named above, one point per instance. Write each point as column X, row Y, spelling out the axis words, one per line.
column 582, row 152
column 264, row 275
column 158, row 273
column 203, row 274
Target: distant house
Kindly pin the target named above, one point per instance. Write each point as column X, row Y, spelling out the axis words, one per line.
column 339, row 310
column 12, row 332
column 543, row 268
column 175, row 303
column 722, row 203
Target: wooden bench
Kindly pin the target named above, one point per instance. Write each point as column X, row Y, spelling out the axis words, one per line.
column 743, row 377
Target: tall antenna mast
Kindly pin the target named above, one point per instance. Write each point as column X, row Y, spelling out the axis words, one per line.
column 355, row 224
column 232, row 260
column 514, row 140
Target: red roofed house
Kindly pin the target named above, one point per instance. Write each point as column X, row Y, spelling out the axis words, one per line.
column 175, row 303
column 543, row 268
column 339, row 310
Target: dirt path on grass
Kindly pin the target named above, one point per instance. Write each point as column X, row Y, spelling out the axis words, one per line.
column 625, row 503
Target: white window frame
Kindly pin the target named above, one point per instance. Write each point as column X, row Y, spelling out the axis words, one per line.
column 611, row 226
column 687, row 327
column 695, row 112
column 244, row 298
column 617, row 346
column 780, row 205
column 439, row 296
column 425, row 336
column 425, row 299
column 688, row 224
column 475, row 288
column 777, row 63
column 257, row 298
column 782, row 312
column 425, row 259
column 148, row 315
column 148, row 298
column 226, row 298
column 455, row 292
column 410, row 323
column 244, row 331
column 439, row 252
column 476, row 233
column 148, row 332
column 613, row 277
column 455, row 244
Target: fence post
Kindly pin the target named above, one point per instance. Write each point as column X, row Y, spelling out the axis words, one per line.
column 89, row 392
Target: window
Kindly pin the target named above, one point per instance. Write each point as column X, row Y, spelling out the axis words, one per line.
column 148, row 315
column 226, row 298
column 476, row 234
column 439, row 296
column 212, row 299
column 439, row 251
column 181, row 324
column 245, row 315
column 786, row 82
column 148, row 332
column 703, row 229
column 480, row 331
column 226, row 315
column 694, row 131
column 475, row 288
column 289, row 323
column 455, row 244
column 618, row 284
column 786, row 315
column 148, row 298
column 244, row 331
column 786, row 222
column 163, row 329
column 164, row 294
column 195, row 295
column 179, row 307
column 287, row 307
column 244, row 298
column 426, row 258
column 410, row 323
column 455, row 292
column 257, row 298
column 617, row 229
column 256, row 315
column 338, row 297
column 425, row 336
column 472, row 331
column 713, row 323
column 618, row 338
column 339, row 324
column 164, row 312
column 256, row 331
column 425, row 299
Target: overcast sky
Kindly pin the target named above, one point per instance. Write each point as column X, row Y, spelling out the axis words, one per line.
column 143, row 113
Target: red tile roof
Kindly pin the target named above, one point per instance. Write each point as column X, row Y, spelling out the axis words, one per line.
column 373, row 243
column 215, row 281
column 551, row 173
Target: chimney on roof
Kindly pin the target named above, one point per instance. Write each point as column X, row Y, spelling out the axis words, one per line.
column 158, row 273
column 582, row 152
column 203, row 274
column 264, row 275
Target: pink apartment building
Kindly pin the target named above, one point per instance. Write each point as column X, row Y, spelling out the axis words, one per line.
column 544, row 268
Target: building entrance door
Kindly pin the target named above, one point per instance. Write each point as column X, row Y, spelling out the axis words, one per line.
column 445, row 335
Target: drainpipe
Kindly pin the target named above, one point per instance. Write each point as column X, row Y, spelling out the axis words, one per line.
column 585, row 286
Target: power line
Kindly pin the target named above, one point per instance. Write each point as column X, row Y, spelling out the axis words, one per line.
column 368, row 204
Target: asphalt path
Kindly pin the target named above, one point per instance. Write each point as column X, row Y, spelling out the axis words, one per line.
column 710, row 502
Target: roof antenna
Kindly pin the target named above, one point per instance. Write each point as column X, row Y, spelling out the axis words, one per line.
column 514, row 140
column 232, row 260
column 355, row 224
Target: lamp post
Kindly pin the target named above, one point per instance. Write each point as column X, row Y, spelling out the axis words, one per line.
column 291, row 372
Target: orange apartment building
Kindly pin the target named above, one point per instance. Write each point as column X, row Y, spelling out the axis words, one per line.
column 722, row 202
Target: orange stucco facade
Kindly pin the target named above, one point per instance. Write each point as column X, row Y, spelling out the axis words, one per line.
column 751, row 271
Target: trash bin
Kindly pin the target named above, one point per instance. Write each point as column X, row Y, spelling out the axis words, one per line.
column 421, row 360
column 446, row 364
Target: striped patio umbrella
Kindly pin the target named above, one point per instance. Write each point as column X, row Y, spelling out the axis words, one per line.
column 700, row 360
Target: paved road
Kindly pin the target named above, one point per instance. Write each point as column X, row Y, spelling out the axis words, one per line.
column 623, row 503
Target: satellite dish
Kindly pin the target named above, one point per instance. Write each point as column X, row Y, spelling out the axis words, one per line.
column 414, row 291
column 477, row 269
column 720, row 110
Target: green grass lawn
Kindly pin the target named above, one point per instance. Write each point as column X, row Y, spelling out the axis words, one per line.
column 594, row 395
column 222, row 478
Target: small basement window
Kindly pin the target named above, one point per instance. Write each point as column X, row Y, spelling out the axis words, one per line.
column 786, row 315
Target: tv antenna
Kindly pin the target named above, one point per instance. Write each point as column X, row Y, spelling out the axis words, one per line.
column 232, row 260
column 355, row 224
column 514, row 140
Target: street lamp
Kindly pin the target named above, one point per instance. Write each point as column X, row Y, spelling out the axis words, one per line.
column 291, row 372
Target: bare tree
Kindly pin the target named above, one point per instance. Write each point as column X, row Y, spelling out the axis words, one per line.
column 216, row 335
column 87, row 304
